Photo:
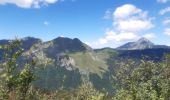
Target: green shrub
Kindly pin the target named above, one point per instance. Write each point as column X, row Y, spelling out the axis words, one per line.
column 147, row 81
column 15, row 82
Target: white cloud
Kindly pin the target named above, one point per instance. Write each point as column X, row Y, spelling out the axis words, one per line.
column 28, row 3
column 126, row 11
column 166, row 21
column 87, row 43
column 133, row 25
column 111, row 36
column 108, row 14
column 164, row 11
column 128, row 22
column 167, row 31
column 50, row 1
column 129, row 18
column 46, row 23
column 62, row 36
column 163, row 1
column 149, row 36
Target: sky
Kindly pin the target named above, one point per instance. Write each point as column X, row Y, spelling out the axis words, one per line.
column 98, row 23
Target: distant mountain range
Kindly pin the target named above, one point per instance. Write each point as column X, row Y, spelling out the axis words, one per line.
column 75, row 44
column 72, row 62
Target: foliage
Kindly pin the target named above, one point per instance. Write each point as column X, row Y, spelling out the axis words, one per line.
column 84, row 92
column 147, row 81
column 88, row 92
column 15, row 80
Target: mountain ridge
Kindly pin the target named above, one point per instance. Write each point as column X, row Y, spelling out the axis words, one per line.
column 73, row 61
column 140, row 44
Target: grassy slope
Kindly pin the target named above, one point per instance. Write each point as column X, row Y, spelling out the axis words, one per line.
column 94, row 62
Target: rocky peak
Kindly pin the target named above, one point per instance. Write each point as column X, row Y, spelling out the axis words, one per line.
column 67, row 44
column 142, row 43
column 28, row 42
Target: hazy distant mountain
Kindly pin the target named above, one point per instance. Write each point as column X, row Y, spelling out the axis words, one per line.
column 141, row 44
column 2, row 42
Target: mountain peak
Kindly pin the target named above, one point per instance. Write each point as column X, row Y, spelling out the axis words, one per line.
column 142, row 43
column 28, row 42
column 68, row 44
column 143, row 39
column 29, row 38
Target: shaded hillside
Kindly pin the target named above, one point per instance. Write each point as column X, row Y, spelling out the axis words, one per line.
column 155, row 54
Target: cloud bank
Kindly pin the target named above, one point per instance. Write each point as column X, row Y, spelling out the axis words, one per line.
column 28, row 3
column 164, row 11
column 167, row 31
column 163, row 1
column 128, row 21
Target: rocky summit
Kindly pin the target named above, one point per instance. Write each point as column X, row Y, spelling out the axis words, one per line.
column 141, row 44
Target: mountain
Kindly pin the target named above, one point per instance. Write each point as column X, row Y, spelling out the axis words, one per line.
column 63, row 44
column 26, row 43
column 141, row 44
column 2, row 42
column 70, row 59
column 67, row 63
column 154, row 54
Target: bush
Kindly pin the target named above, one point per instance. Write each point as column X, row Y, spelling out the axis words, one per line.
column 147, row 81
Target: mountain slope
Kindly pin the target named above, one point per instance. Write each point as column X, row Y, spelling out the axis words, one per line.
column 154, row 54
column 68, row 59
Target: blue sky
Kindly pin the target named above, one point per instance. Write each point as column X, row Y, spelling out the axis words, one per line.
column 99, row 23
